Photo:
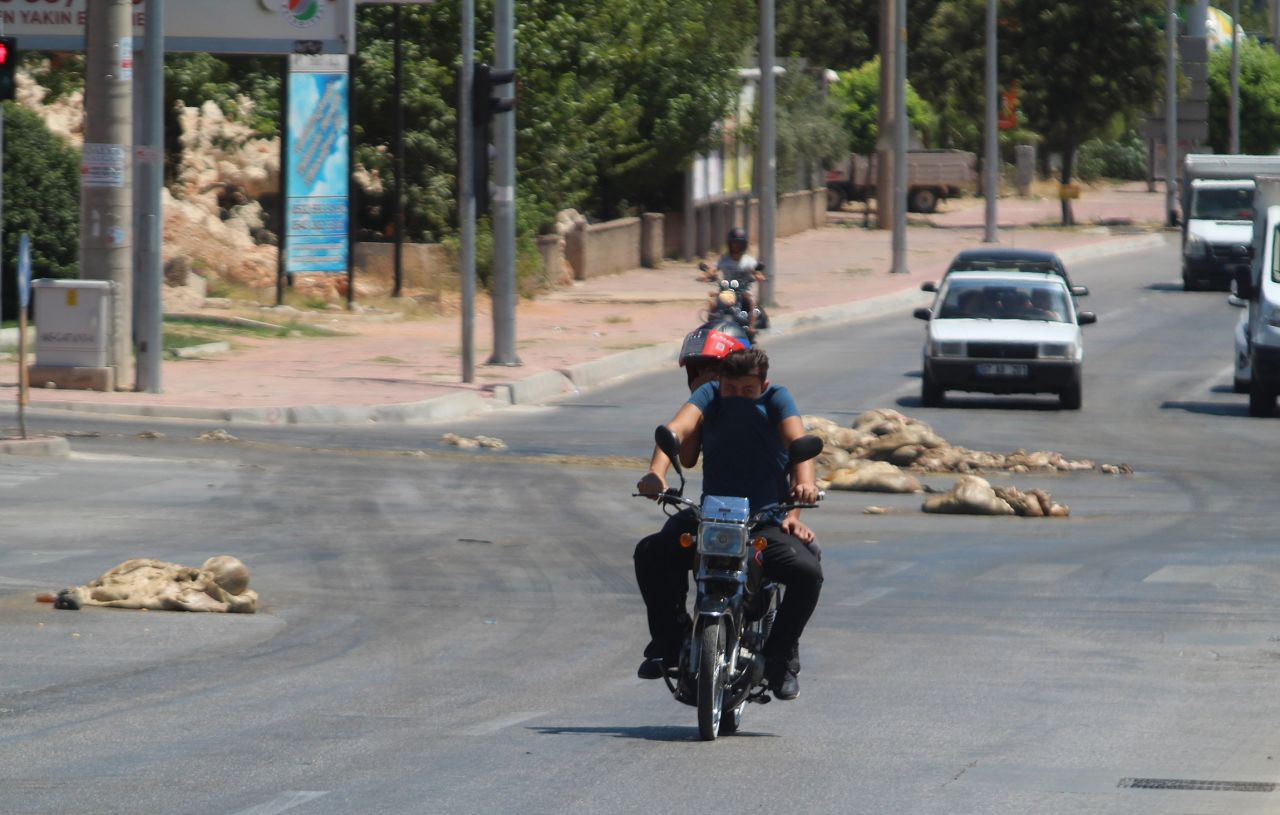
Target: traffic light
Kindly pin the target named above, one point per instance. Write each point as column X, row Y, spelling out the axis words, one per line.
column 484, row 105
column 8, row 63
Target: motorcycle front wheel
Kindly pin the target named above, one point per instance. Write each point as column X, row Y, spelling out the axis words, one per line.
column 710, row 679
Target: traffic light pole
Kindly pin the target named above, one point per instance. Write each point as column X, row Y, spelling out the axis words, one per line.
column 503, row 278
column 149, row 230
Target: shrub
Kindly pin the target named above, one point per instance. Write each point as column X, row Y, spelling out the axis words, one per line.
column 1124, row 158
column 41, row 198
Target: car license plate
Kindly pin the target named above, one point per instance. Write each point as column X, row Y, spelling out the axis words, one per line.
column 1002, row 369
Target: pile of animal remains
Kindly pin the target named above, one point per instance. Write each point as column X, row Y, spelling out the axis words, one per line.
column 883, row 449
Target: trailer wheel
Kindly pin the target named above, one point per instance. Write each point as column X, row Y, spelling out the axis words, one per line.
column 924, row 200
column 836, row 199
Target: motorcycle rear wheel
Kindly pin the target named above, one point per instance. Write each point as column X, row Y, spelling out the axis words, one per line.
column 710, row 679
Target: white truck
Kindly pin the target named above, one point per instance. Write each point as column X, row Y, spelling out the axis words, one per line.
column 932, row 175
column 1217, row 214
column 1258, row 283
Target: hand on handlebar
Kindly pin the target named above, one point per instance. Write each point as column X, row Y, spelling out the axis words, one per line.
column 651, row 485
column 805, row 494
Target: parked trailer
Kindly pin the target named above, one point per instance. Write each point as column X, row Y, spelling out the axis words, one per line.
column 932, row 175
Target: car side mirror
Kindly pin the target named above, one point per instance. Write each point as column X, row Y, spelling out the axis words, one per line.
column 1244, row 282
column 923, row 314
column 1086, row 318
column 928, row 285
column 1079, row 291
column 667, row 442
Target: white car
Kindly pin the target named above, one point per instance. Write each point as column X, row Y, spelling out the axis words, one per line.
column 1003, row 332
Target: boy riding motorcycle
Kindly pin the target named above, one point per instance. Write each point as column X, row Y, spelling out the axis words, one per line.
column 743, row 426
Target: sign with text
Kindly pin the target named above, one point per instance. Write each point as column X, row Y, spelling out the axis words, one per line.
column 317, row 221
column 215, row 26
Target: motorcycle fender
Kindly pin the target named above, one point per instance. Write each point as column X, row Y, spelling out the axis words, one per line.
column 715, row 606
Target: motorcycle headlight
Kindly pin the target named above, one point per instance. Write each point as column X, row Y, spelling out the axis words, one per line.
column 947, row 348
column 1057, row 350
column 1196, row 247
column 722, row 540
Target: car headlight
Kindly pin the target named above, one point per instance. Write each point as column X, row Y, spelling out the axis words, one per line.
column 948, row 348
column 1057, row 350
column 1196, row 247
column 1271, row 315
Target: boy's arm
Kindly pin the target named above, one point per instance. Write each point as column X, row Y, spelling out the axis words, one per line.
column 804, row 476
column 685, row 424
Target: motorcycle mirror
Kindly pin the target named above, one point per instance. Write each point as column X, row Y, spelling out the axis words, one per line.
column 759, row 267
column 803, row 449
column 667, row 442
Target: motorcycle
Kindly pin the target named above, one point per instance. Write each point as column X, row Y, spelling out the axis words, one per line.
column 729, row 303
column 721, row 666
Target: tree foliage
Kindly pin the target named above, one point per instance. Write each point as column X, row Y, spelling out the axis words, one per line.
column 857, row 94
column 41, row 198
column 1259, row 99
column 1079, row 63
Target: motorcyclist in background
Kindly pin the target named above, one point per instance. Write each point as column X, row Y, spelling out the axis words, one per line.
column 737, row 265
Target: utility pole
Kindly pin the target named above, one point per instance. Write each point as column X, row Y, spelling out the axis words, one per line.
column 991, row 166
column 900, row 138
column 398, row 93
column 1171, row 113
column 503, row 278
column 1234, row 147
column 884, row 144
column 149, row 228
column 466, row 191
column 106, row 188
column 768, row 161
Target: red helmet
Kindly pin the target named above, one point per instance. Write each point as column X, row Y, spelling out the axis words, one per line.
column 706, row 344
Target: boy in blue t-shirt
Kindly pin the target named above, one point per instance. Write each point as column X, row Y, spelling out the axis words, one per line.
column 742, row 426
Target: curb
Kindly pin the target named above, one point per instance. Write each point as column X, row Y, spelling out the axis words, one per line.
column 549, row 385
column 49, row 446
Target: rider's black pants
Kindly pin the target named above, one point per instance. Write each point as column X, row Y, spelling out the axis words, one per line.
column 662, row 571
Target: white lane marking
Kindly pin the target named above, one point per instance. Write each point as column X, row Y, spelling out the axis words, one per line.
column 503, row 722
column 285, row 800
column 865, row 596
column 1031, row 572
column 1226, row 372
column 1213, row 575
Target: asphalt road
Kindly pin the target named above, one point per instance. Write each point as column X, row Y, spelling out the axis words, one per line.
column 457, row 633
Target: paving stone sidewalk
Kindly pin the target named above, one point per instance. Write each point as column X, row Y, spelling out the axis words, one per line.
column 386, row 369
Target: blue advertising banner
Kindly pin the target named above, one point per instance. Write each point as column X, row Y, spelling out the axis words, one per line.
column 317, row 221
column 24, row 270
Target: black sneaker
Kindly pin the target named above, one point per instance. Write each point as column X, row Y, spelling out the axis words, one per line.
column 651, row 668
column 783, row 684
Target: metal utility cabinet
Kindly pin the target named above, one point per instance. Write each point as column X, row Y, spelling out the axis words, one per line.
column 73, row 322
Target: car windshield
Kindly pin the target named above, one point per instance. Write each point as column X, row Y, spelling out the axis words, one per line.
column 1041, row 266
column 1004, row 300
column 1223, row 204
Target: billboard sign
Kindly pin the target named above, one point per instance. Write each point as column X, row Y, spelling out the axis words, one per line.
column 317, row 223
column 213, row 26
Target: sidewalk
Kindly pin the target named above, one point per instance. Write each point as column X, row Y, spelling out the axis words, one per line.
column 574, row 338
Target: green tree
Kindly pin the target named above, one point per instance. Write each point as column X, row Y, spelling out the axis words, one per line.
column 857, row 95
column 1080, row 63
column 840, row 34
column 41, row 198
column 1259, row 98
column 810, row 131
column 948, row 67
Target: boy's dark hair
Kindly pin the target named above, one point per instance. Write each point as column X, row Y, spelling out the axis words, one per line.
column 746, row 362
